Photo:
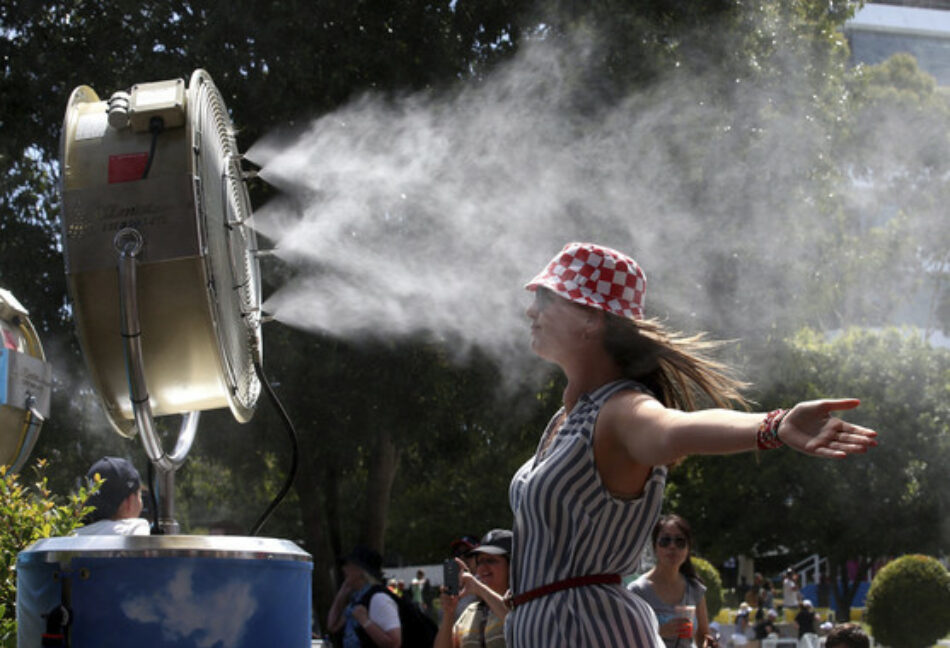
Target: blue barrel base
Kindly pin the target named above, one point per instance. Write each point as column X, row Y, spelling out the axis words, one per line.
column 182, row 591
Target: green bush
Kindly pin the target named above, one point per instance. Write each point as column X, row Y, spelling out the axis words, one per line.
column 908, row 602
column 713, row 582
column 28, row 514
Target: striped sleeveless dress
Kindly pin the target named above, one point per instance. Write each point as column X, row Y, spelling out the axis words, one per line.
column 566, row 524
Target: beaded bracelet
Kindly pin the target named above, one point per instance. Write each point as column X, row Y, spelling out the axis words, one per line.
column 767, row 436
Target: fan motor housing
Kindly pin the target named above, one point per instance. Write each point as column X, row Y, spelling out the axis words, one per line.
column 197, row 275
column 24, row 376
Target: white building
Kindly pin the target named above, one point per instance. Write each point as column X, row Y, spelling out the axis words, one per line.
column 879, row 30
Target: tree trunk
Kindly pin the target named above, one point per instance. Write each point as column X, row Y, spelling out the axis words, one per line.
column 316, row 491
column 382, row 471
column 845, row 589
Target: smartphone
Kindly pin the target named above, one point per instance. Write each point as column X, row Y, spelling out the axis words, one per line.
column 450, row 576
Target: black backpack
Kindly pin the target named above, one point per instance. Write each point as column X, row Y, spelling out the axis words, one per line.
column 418, row 630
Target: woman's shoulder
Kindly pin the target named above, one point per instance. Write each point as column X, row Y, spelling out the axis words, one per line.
column 628, row 410
column 625, row 403
column 623, row 387
column 640, row 585
column 696, row 588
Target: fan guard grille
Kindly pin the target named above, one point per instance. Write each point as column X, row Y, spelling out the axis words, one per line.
column 222, row 200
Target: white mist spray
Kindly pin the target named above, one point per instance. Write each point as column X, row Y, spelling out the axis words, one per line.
column 428, row 214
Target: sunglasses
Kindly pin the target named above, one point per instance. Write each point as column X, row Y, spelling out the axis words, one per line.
column 666, row 541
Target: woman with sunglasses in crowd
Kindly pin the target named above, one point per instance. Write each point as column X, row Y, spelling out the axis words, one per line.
column 672, row 585
column 585, row 504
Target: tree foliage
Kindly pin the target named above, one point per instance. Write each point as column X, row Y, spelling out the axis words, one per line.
column 29, row 513
column 901, row 191
column 891, row 501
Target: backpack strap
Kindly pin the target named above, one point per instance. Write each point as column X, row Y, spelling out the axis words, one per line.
column 365, row 639
column 374, row 589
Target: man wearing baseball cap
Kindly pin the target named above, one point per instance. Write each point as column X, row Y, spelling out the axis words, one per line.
column 118, row 502
column 481, row 623
column 363, row 613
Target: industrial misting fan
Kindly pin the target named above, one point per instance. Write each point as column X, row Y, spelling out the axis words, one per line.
column 160, row 259
column 162, row 269
column 25, row 383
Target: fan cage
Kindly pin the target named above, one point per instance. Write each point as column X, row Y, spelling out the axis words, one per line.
column 227, row 232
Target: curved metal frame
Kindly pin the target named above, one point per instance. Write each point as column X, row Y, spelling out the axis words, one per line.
column 128, row 243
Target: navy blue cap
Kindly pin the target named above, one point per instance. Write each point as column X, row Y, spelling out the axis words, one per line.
column 120, row 479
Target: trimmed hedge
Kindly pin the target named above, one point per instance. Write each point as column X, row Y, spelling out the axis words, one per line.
column 713, row 582
column 908, row 603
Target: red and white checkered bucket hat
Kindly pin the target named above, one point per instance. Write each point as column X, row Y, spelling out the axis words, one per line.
column 597, row 276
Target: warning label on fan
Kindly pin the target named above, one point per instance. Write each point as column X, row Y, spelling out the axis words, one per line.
column 162, row 209
column 127, row 167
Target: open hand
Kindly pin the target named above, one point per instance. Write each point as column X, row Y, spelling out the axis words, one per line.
column 809, row 427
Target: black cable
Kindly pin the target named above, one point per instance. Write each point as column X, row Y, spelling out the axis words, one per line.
column 155, row 126
column 292, row 473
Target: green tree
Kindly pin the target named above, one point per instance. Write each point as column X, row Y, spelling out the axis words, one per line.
column 896, row 101
column 891, row 501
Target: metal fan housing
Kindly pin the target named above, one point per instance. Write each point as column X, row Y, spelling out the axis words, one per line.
column 161, row 161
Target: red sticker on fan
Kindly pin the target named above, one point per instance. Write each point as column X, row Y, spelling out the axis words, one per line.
column 127, row 167
column 8, row 340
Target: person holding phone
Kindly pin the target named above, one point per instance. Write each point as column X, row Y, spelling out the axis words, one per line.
column 586, row 502
column 481, row 623
column 673, row 586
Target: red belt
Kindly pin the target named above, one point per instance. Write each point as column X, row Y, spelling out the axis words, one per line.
column 568, row 583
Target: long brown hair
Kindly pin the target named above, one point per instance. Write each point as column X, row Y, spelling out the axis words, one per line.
column 676, row 368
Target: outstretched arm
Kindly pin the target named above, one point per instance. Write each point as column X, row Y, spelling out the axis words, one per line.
column 649, row 434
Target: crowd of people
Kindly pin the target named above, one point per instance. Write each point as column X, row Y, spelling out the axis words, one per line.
column 760, row 616
column 473, row 615
column 366, row 612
